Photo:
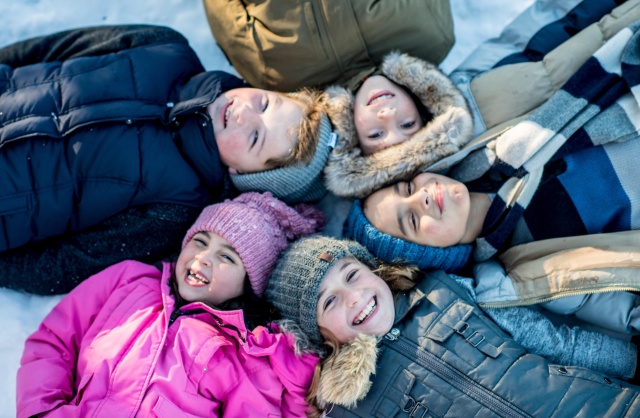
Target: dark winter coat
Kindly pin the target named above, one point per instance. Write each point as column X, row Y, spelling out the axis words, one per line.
column 445, row 358
column 83, row 139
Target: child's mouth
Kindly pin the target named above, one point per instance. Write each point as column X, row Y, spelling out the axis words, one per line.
column 226, row 111
column 196, row 279
column 366, row 312
column 379, row 97
column 437, row 196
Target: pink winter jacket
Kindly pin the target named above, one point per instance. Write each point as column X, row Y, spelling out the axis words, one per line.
column 110, row 349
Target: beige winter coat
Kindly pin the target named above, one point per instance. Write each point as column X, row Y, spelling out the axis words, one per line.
column 550, row 269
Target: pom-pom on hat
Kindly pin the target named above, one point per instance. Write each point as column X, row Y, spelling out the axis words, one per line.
column 390, row 249
column 258, row 226
column 295, row 282
column 296, row 183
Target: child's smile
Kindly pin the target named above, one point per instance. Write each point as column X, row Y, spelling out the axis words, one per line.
column 254, row 129
column 384, row 115
column 209, row 270
column 353, row 300
column 429, row 210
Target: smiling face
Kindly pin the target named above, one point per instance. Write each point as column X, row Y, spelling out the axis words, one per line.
column 429, row 210
column 209, row 270
column 384, row 114
column 254, row 128
column 353, row 300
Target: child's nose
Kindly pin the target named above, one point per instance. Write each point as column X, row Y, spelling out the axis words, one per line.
column 353, row 297
column 204, row 259
column 386, row 113
column 245, row 114
column 420, row 199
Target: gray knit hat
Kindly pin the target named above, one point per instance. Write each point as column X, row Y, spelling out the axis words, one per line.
column 295, row 282
column 296, row 183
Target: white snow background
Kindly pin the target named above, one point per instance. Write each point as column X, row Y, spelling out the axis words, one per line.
column 21, row 313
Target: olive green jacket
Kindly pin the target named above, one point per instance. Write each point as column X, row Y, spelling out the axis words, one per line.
column 283, row 45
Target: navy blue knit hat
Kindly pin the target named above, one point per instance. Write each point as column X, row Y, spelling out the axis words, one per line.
column 390, row 249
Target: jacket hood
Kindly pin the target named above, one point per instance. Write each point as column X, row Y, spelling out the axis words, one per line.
column 350, row 173
column 345, row 380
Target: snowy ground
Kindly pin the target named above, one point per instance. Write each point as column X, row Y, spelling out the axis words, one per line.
column 20, row 19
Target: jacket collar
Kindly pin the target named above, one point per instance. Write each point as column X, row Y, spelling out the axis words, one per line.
column 202, row 89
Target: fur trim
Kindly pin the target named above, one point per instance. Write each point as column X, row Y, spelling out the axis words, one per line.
column 349, row 173
column 302, row 343
column 346, row 380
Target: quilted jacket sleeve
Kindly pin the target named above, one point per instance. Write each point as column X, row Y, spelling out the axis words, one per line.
column 84, row 42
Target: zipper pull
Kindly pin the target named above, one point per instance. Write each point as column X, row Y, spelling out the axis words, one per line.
column 393, row 334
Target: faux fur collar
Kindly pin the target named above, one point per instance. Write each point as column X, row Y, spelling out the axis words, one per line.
column 349, row 173
column 346, row 380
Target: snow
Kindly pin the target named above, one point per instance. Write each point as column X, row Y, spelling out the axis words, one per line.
column 475, row 22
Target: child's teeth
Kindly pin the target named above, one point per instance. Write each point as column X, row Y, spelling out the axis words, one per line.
column 198, row 277
column 379, row 98
column 366, row 312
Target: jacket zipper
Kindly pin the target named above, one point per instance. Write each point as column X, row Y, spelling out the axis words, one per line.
column 543, row 299
column 453, row 376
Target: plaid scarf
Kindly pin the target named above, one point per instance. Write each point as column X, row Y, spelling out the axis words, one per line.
column 592, row 109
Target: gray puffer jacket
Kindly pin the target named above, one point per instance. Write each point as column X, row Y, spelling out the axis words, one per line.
column 445, row 358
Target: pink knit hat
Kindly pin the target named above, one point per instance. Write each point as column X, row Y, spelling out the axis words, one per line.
column 259, row 227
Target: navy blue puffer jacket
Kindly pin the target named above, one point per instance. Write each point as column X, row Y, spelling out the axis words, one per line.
column 83, row 139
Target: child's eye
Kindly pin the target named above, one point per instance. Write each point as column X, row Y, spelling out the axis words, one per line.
column 254, row 139
column 409, row 189
column 228, row 258
column 328, row 302
column 375, row 135
column 408, row 124
column 414, row 224
column 351, row 275
column 265, row 104
column 200, row 242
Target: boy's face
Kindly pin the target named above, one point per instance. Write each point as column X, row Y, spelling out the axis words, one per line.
column 353, row 300
column 254, row 127
column 384, row 115
column 209, row 270
column 429, row 210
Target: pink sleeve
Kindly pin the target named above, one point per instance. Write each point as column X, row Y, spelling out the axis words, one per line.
column 295, row 373
column 45, row 379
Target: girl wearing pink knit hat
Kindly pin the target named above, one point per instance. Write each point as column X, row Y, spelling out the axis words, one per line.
column 138, row 340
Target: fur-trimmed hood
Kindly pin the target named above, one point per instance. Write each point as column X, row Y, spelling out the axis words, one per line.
column 345, row 380
column 350, row 173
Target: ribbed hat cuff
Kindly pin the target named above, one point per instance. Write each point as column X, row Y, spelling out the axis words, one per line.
column 390, row 249
column 293, row 184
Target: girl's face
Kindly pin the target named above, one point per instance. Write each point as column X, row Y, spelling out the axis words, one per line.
column 384, row 114
column 209, row 270
column 353, row 300
column 429, row 210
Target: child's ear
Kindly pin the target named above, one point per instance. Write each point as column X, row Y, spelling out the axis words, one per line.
column 233, row 171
